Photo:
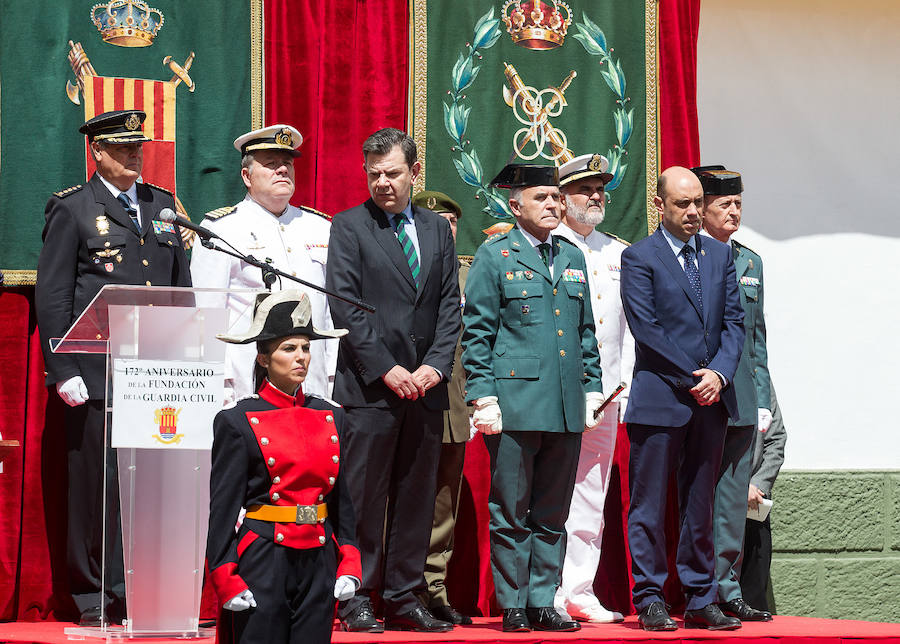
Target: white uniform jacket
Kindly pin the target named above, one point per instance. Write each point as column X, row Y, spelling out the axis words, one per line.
column 295, row 242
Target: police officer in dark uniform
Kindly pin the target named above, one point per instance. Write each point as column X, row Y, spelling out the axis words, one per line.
column 107, row 231
column 278, row 455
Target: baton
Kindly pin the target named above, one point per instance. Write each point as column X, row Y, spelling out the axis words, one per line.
column 612, row 397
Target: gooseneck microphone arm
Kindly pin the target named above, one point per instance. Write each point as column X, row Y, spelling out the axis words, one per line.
column 270, row 273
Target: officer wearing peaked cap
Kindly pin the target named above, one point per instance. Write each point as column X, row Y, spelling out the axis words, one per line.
column 264, row 224
column 107, row 231
column 583, row 184
column 534, row 377
column 723, row 204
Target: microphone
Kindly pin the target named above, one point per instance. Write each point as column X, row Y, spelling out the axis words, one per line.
column 167, row 214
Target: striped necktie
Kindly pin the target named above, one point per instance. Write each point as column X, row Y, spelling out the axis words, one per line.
column 407, row 245
column 130, row 209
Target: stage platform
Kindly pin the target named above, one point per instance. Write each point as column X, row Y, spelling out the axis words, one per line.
column 783, row 630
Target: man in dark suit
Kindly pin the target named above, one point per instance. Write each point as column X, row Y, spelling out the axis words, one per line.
column 680, row 296
column 107, row 231
column 392, row 375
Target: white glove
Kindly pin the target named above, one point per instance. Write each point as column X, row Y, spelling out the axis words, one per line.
column 73, row 391
column 241, row 601
column 473, row 431
column 487, row 415
column 592, row 402
column 228, row 397
column 345, row 587
column 764, row 416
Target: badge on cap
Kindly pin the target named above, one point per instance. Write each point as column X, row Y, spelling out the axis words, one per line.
column 596, row 163
column 284, row 138
column 133, row 122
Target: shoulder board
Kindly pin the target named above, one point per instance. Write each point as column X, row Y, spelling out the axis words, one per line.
column 220, row 212
column 317, row 212
column 747, row 248
column 564, row 239
column 67, row 191
column 153, row 185
column 331, row 402
column 617, row 238
column 495, row 237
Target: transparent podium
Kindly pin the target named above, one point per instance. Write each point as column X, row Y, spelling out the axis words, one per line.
column 165, row 378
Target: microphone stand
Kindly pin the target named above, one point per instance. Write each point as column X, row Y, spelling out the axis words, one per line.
column 270, row 274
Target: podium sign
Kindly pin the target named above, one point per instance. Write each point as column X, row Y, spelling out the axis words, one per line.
column 165, row 404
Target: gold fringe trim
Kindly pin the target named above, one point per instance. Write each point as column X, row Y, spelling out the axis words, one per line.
column 257, row 65
column 651, row 41
column 417, row 97
column 13, row 278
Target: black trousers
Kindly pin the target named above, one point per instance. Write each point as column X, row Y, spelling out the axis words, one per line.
column 294, row 593
column 757, row 560
column 390, row 458
column 84, row 536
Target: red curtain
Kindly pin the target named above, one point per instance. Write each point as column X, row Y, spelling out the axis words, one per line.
column 337, row 71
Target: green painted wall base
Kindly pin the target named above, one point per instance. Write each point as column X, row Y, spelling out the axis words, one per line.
column 836, row 544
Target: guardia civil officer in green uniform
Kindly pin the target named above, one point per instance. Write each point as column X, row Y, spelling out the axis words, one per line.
column 533, row 371
column 721, row 219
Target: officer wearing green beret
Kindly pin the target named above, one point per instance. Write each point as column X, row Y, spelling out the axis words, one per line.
column 534, row 377
column 453, row 447
column 722, row 190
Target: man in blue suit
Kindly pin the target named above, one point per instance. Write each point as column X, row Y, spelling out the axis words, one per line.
column 681, row 301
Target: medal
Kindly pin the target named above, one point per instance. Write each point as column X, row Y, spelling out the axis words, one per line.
column 102, row 225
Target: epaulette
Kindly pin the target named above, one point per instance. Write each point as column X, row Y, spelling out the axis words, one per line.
column 616, row 237
column 220, row 212
column 747, row 248
column 68, row 191
column 324, row 215
column 331, row 402
column 153, row 185
column 495, row 237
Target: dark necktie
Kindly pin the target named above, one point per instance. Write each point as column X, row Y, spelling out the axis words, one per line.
column 544, row 250
column 693, row 275
column 407, row 245
column 130, row 209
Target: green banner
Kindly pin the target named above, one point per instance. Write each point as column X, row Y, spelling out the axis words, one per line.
column 41, row 150
column 536, row 82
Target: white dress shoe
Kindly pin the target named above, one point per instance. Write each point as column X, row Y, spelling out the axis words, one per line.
column 594, row 614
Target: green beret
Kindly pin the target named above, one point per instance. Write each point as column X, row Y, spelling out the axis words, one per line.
column 436, row 201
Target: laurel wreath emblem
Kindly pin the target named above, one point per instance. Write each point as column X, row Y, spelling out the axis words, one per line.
column 456, row 113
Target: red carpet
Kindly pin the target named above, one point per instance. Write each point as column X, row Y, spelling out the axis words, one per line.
column 784, row 630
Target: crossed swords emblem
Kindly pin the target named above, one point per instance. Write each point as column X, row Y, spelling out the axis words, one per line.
column 534, row 109
column 82, row 67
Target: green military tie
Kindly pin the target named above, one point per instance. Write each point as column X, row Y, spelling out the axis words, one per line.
column 407, row 245
column 545, row 253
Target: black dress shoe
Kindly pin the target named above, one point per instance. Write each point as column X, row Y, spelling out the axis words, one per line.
column 655, row 618
column 744, row 611
column 450, row 614
column 515, row 621
column 710, row 617
column 362, row 620
column 547, row 619
column 90, row 617
column 418, row 619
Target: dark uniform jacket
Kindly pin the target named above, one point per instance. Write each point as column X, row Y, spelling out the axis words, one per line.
column 90, row 241
column 276, row 449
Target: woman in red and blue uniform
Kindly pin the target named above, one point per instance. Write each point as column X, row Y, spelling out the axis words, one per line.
column 277, row 455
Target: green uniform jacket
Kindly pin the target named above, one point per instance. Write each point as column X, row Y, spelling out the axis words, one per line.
column 528, row 338
column 751, row 380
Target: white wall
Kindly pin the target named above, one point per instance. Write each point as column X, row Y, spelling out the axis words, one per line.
column 803, row 99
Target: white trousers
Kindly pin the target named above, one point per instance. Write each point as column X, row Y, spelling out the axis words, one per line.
column 584, row 527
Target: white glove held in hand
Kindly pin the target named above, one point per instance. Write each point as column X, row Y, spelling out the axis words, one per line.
column 764, row 417
column 73, row 391
column 240, row 602
column 345, row 587
column 487, row 415
column 592, row 402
